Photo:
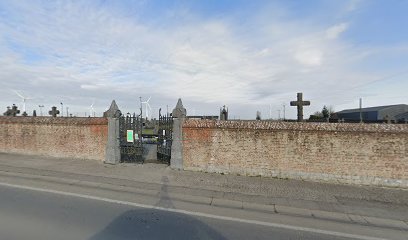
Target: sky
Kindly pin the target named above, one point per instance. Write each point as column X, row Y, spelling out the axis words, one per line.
column 248, row 55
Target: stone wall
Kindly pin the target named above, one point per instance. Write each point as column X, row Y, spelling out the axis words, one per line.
column 83, row 138
column 374, row 154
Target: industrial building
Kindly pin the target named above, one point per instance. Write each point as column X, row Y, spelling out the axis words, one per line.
column 389, row 112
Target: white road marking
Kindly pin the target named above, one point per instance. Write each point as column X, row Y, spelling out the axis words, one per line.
column 192, row 213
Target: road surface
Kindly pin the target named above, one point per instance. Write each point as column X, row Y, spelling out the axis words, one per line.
column 39, row 213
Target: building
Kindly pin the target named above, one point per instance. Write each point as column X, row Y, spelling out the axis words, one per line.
column 389, row 112
column 403, row 117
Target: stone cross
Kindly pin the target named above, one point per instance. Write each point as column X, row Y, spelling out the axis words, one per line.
column 54, row 112
column 14, row 110
column 300, row 103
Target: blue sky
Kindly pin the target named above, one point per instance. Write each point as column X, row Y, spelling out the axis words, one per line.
column 248, row 55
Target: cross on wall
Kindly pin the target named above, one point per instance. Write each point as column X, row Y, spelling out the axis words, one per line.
column 299, row 104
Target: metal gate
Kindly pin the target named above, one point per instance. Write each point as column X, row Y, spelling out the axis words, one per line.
column 165, row 134
column 130, row 132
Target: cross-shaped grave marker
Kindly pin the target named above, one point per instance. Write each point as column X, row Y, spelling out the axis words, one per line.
column 54, row 112
column 300, row 103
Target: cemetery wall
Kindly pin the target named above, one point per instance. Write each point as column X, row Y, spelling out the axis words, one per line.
column 370, row 154
column 83, row 138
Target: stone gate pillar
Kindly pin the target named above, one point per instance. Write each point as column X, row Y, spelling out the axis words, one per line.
column 113, row 146
column 179, row 115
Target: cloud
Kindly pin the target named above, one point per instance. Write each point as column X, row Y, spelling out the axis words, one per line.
column 309, row 57
column 334, row 31
column 92, row 52
column 353, row 5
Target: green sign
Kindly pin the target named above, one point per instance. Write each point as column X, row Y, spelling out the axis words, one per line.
column 129, row 135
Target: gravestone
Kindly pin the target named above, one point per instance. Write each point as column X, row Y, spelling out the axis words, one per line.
column 223, row 114
column 24, row 114
column 34, row 113
column 179, row 111
column 54, row 112
column 299, row 104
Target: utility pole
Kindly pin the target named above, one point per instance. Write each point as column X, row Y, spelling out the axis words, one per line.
column 284, row 112
column 361, row 111
column 41, row 106
column 62, row 109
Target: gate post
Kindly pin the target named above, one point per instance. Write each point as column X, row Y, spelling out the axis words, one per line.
column 179, row 114
column 112, row 155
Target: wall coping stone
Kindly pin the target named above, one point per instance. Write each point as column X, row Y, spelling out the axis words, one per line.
column 54, row 120
column 298, row 126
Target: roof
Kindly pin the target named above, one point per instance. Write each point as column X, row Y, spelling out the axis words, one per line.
column 370, row 109
column 402, row 116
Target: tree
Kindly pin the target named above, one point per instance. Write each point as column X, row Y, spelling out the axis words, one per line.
column 258, row 115
column 326, row 113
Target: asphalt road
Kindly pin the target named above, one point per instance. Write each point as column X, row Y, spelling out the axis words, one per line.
column 29, row 214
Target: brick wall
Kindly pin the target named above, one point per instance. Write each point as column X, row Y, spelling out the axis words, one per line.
column 59, row 137
column 375, row 154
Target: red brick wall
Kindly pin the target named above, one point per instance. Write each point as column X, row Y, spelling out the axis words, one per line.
column 59, row 137
column 348, row 153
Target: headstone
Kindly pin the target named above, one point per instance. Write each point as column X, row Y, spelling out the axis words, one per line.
column 113, row 111
column 300, row 103
column 54, row 112
column 179, row 111
column 223, row 114
column 34, row 113
column 24, row 114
